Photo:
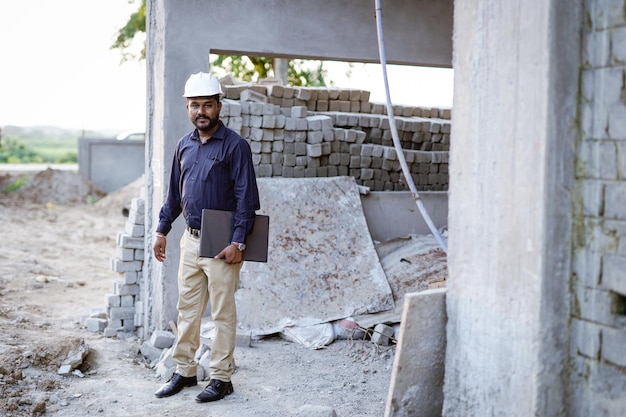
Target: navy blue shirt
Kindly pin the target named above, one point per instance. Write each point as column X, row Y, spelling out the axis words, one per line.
column 215, row 175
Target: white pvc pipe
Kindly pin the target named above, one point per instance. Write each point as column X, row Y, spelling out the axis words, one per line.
column 394, row 133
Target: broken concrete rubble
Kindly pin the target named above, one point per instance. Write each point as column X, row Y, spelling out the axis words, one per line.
column 316, row 336
column 74, row 359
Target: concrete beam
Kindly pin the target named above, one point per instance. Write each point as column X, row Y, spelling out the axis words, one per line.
column 417, row 32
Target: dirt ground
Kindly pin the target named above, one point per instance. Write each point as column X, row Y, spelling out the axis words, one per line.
column 55, row 270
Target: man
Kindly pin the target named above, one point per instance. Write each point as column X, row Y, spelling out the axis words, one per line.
column 212, row 168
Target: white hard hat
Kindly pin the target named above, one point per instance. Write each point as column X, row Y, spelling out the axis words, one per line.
column 202, row 84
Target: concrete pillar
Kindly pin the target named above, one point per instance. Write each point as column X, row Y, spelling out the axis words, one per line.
column 511, row 172
column 280, row 69
column 169, row 61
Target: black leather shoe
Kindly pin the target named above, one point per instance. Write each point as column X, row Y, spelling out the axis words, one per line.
column 175, row 385
column 216, row 390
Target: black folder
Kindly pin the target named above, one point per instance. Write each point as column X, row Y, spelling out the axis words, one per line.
column 216, row 231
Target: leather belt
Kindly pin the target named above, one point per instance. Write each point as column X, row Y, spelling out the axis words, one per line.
column 193, row 232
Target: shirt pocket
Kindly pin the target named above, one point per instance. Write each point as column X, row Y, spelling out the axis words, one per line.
column 214, row 169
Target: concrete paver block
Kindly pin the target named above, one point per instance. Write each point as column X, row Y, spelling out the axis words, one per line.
column 382, row 334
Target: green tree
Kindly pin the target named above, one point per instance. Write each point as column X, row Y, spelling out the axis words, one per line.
column 14, row 152
column 246, row 68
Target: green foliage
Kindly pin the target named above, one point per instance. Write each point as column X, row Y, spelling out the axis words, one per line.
column 245, row 68
column 15, row 184
column 299, row 76
column 136, row 25
column 38, row 145
column 15, row 152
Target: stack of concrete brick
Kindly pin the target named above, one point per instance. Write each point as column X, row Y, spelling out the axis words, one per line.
column 123, row 311
column 322, row 132
column 598, row 292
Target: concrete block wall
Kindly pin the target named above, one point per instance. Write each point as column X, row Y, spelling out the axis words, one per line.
column 599, row 270
column 124, row 312
column 299, row 132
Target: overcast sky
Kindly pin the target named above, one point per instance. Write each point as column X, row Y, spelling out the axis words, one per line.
column 57, row 69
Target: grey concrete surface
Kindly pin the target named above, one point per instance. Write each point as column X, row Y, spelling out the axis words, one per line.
column 111, row 164
column 322, row 265
column 511, row 174
column 416, row 387
column 394, row 214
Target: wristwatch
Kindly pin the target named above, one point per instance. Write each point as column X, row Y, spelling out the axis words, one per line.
column 240, row 246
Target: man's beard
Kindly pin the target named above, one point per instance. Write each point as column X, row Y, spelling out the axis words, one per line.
column 211, row 125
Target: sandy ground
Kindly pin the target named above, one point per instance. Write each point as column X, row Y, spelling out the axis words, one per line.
column 54, row 271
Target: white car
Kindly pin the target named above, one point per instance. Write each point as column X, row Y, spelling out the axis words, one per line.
column 131, row 136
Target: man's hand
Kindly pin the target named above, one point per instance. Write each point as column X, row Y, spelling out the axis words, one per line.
column 230, row 254
column 159, row 248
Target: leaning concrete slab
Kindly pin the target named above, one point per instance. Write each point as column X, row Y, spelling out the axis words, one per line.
column 322, row 264
column 416, row 387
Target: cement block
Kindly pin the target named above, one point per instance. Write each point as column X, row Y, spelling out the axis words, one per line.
column 150, row 352
column 136, row 217
column 417, row 377
column 243, row 339
column 119, row 266
column 613, row 273
column 313, row 137
column 112, row 300
column 95, row 325
column 127, row 301
column 299, row 111
column 314, row 150
column 382, row 334
column 250, row 95
column 121, row 313
column 134, row 230
column 162, row 339
column 302, row 93
column 124, row 289
column 585, row 338
column 614, row 201
column 613, row 342
column 125, row 254
column 126, row 241
column 110, row 332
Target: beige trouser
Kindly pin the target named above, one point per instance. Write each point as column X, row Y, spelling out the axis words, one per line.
column 200, row 281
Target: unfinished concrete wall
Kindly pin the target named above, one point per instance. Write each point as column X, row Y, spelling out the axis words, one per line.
column 511, row 171
column 110, row 164
column 599, row 273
